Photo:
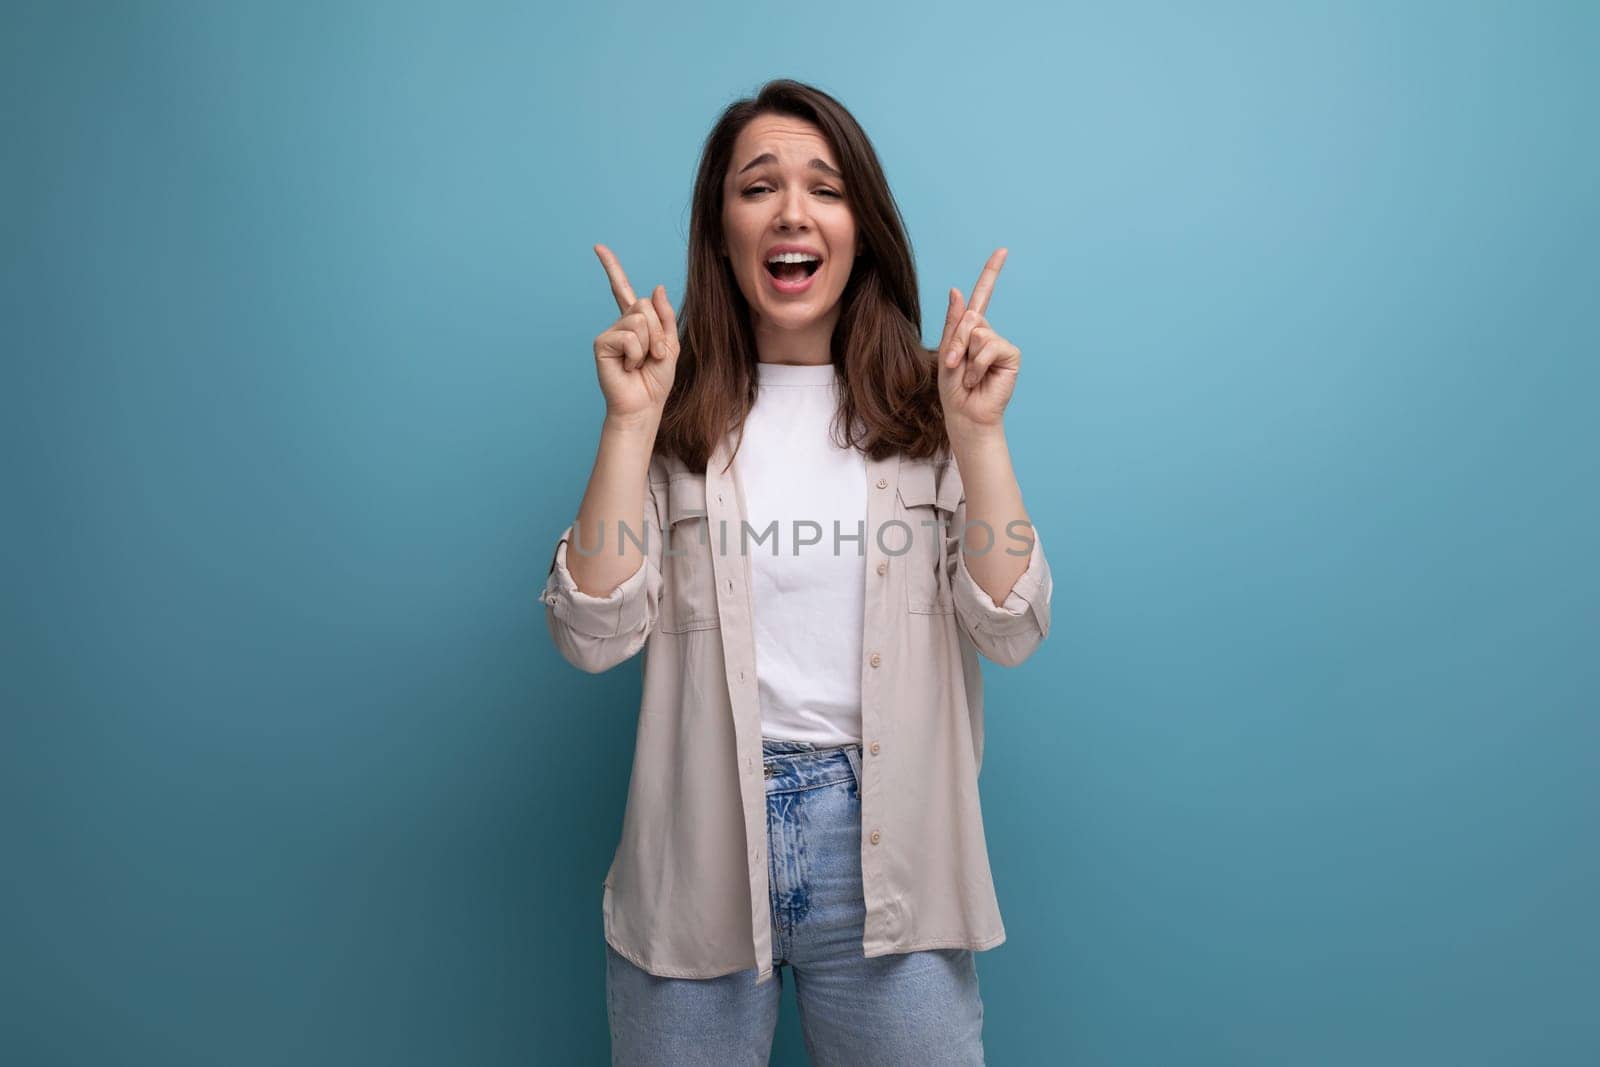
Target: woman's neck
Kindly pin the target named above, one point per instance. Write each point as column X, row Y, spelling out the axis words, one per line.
column 812, row 343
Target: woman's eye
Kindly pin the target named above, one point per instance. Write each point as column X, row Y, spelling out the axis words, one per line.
column 757, row 189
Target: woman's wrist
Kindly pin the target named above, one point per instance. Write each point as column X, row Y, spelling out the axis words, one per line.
column 965, row 436
column 635, row 426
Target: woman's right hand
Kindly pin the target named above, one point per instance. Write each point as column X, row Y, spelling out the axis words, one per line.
column 636, row 357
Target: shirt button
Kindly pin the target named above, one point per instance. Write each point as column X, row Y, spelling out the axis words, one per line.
column 883, row 483
column 874, row 748
column 875, row 836
column 876, row 659
column 883, row 566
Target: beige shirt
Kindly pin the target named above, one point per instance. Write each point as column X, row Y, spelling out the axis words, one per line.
column 687, row 894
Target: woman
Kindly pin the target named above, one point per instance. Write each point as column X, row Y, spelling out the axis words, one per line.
column 804, row 788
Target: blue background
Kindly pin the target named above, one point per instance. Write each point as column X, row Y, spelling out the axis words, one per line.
column 298, row 311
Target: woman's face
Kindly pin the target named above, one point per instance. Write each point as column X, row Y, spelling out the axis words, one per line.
column 783, row 192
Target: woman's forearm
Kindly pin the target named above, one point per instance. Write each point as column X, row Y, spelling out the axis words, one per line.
column 613, row 502
column 994, row 499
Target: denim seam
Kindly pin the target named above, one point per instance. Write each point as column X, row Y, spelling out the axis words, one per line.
column 801, row 787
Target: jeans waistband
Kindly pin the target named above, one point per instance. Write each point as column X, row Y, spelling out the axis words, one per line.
column 803, row 764
column 771, row 746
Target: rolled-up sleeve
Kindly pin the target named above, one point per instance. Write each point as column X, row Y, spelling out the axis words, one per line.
column 595, row 633
column 1006, row 633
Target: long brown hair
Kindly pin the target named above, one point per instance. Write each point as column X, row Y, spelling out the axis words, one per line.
column 889, row 401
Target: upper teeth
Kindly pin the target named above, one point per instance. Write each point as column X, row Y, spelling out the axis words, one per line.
column 794, row 257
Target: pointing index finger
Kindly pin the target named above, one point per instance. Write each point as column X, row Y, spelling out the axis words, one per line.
column 986, row 280
column 619, row 280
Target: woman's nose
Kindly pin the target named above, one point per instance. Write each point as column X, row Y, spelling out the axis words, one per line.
column 792, row 210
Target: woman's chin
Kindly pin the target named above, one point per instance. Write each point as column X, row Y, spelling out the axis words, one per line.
column 792, row 321
column 794, row 314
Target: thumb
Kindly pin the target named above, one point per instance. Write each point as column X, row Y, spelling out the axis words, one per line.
column 669, row 320
column 952, row 318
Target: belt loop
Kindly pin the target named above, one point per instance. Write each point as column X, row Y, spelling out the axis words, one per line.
column 854, row 753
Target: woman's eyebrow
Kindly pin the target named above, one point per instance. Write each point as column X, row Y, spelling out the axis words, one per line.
column 815, row 164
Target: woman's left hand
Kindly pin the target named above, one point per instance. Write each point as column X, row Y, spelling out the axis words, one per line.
column 977, row 367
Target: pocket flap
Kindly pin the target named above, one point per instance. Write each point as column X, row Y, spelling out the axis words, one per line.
column 918, row 486
column 686, row 498
column 923, row 484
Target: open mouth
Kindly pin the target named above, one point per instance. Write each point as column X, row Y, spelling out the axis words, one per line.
column 792, row 267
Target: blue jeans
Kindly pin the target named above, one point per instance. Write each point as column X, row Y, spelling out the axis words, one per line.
column 915, row 1007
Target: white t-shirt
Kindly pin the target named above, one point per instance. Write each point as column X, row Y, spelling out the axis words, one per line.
column 808, row 607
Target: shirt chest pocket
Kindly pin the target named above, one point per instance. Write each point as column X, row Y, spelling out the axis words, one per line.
column 689, row 600
column 929, row 514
